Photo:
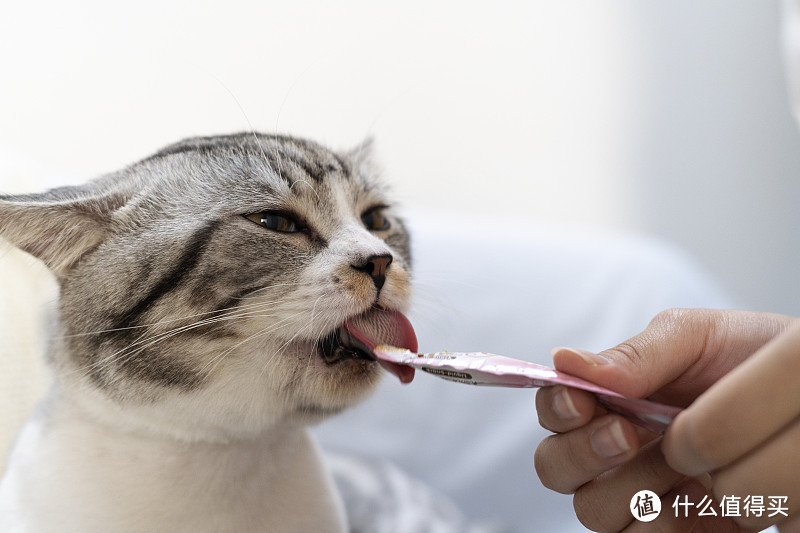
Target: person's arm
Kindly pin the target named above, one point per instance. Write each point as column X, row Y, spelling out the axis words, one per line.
column 738, row 375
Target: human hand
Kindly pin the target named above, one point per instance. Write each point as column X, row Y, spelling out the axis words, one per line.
column 737, row 374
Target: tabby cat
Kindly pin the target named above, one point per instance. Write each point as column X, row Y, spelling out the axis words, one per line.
column 208, row 297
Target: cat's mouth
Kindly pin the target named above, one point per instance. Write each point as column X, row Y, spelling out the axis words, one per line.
column 340, row 345
column 356, row 338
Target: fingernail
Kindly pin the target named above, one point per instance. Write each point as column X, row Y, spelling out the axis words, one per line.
column 609, row 440
column 590, row 357
column 563, row 404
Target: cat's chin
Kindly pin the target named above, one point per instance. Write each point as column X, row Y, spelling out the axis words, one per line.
column 327, row 388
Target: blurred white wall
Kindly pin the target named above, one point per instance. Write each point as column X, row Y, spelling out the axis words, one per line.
column 669, row 118
column 717, row 150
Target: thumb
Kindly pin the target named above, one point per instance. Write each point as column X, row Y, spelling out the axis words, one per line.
column 666, row 351
column 611, row 369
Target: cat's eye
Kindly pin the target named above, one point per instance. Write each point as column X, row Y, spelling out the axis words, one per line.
column 375, row 220
column 275, row 221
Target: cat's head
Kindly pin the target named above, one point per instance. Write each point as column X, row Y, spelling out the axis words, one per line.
column 207, row 284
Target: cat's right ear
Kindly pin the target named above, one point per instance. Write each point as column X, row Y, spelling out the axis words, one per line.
column 58, row 226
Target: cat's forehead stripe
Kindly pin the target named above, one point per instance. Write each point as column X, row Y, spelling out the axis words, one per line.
column 316, row 162
column 281, row 153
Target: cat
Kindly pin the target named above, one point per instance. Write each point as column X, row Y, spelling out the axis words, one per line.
column 207, row 294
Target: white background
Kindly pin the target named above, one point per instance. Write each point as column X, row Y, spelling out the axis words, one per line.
column 667, row 118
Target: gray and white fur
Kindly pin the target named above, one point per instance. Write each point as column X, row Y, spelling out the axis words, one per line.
column 201, row 290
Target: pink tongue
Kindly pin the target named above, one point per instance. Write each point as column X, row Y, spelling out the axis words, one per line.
column 385, row 327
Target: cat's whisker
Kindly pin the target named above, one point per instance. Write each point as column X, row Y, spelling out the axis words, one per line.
column 311, row 327
column 288, row 342
column 146, row 342
column 268, row 287
column 169, row 321
column 140, row 345
column 277, row 156
column 251, row 129
column 281, row 349
column 267, row 330
column 314, row 310
column 307, row 183
column 218, row 358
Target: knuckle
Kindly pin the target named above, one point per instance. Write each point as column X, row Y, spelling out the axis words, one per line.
column 666, row 322
column 669, row 316
column 542, row 463
column 554, row 462
column 672, row 330
column 591, row 509
column 679, row 319
column 653, row 467
column 631, row 350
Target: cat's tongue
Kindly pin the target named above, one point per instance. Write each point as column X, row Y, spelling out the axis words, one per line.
column 385, row 327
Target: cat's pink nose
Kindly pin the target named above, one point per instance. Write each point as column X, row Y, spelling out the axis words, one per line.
column 376, row 266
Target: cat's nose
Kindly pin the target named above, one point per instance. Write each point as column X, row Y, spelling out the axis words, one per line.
column 376, row 266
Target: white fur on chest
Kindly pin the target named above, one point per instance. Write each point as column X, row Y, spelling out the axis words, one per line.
column 69, row 473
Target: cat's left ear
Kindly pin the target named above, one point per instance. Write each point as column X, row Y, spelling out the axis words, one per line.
column 363, row 150
column 58, row 226
column 362, row 156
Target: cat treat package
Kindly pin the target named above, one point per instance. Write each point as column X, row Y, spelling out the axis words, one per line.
column 480, row 368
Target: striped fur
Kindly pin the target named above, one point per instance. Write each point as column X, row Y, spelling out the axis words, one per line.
column 181, row 319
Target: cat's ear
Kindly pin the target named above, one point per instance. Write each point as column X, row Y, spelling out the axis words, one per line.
column 363, row 158
column 362, row 152
column 58, row 226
